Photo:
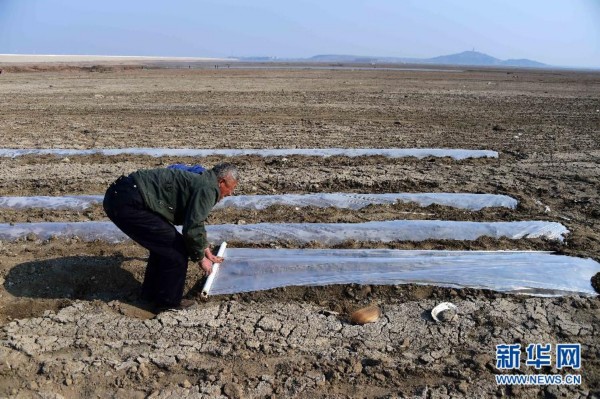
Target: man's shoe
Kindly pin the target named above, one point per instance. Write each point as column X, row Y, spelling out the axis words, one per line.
column 184, row 304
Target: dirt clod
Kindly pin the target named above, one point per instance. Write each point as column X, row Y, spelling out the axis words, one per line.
column 366, row 315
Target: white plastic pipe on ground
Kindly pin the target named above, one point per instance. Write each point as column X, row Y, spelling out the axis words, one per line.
column 215, row 270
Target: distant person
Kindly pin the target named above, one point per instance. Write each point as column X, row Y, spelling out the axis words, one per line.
column 147, row 204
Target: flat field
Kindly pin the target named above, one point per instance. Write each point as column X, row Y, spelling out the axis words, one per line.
column 70, row 323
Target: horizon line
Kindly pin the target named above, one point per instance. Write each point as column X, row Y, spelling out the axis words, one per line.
column 143, row 57
column 241, row 58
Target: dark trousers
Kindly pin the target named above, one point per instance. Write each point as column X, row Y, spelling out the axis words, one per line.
column 164, row 280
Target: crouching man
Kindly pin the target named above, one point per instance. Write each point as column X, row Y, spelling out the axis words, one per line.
column 147, row 204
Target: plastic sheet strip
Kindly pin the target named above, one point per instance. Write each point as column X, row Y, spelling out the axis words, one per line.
column 536, row 273
column 315, row 152
column 472, row 202
column 76, row 202
column 468, row 201
column 386, row 231
column 302, row 233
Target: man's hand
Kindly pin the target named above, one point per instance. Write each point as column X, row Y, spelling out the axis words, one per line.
column 206, row 265
column 209, row 255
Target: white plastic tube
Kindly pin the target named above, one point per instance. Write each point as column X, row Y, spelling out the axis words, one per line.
column 215, row 269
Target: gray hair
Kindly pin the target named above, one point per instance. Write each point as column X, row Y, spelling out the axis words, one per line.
column 223, row 170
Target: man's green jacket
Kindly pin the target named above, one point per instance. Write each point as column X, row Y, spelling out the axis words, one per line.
column 183, row 198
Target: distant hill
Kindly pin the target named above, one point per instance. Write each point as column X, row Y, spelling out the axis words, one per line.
column 343, row 58
column 473, row 58
column 480, row 59
column 465, row 58
column 524, row 62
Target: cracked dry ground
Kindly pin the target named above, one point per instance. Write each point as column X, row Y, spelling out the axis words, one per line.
column 70, row 323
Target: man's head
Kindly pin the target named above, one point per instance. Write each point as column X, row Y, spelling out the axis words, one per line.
column 227, row 178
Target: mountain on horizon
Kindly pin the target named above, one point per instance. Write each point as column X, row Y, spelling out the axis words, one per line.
column 473, row 58
column 480, row 59
column 465, row 58
column 343, row 58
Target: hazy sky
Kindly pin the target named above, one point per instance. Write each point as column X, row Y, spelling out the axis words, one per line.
column 556, row 32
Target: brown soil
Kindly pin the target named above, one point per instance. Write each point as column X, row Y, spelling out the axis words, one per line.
column 71, row 324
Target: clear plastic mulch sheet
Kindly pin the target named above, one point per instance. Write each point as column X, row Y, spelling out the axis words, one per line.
column 468, row 201
column 534, row 273
column 385, row 231
column 76, row 202
column 457, row 154
column 303, row 233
